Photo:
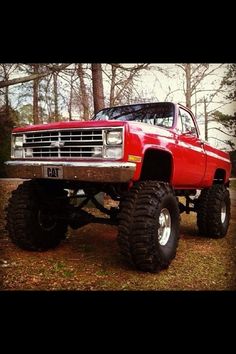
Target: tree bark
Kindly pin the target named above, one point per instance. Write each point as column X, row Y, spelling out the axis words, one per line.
column 113, row 83
column 55, row 93
column 84, row 93
column 7, row 100
column 36, row 95
column 98, row 94
column 70, row 100
column 188, row 93
column 6, row 93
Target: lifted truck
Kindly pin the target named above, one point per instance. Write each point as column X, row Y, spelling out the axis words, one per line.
column 145, row 156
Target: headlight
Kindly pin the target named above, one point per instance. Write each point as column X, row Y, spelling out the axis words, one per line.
column 17, row 146
column 18, row 141
column 18, row 154
column 114, row 137
column 113, row 152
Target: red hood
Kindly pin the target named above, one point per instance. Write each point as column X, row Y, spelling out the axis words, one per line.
column 71, row 125
column 134, row 126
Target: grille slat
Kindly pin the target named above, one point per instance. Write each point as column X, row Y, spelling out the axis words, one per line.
column 64, row 143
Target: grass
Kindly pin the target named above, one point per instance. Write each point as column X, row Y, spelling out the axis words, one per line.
column 61, row 268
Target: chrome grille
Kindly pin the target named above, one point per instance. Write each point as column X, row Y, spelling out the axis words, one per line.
column 63, row 143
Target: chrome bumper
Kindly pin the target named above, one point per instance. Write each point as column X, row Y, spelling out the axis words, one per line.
column 81, row 171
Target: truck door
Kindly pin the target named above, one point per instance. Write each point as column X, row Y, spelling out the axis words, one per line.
column 190, row 150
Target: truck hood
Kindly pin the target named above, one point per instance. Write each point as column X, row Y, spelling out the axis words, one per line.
column 70, row 125
column 133, row 126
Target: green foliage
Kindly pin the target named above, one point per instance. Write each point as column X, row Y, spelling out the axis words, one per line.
column 226, row 120
column 25, row 115
column 230, row 81
column 229, row 122
column 6, row 125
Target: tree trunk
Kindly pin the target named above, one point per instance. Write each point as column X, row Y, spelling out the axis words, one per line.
column 113, row 82
column 6, row 93
column 36, row 95
column 188, row 85
column 98, row 94
column 84, row 93
column 206, row 119
column 7, row 101
column 70, row 100
column 55, row 93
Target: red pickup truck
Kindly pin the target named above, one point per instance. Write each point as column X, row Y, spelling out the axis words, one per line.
column 145, row 156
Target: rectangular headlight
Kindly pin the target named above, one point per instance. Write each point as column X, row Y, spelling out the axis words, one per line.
column 18, row 141
column 114, row 137
column 18, row 153
column 17, row 146
column 113, row 152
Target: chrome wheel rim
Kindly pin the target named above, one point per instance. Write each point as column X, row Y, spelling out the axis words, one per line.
column 46, row 221
column 164, row 230
column 223, row 212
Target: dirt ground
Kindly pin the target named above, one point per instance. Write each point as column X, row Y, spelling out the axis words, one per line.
column 89, row 260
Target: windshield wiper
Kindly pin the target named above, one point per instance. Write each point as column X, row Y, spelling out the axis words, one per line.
column 126, row 113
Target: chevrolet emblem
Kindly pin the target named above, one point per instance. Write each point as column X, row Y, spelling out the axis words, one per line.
column 57, row 144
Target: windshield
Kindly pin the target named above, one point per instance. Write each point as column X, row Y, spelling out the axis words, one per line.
column 160, row 114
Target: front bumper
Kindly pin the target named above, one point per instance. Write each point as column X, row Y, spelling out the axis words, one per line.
column 81, row 171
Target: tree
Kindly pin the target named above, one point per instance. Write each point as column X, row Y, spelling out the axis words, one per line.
column 122, row 80
column 227, row 121
column 36, row 117
column 205, row 90
column 5, row 71
column 7, row 119
column 97, row 82
column 25, row 116
column 194, row 76
column 230, row 82
column 98, row 88
column 55, row 94
column 48, row 69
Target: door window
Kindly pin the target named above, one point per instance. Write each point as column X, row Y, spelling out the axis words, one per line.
column 186, row 123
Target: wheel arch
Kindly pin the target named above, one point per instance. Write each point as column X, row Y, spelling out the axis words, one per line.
column 219, row 176
column 153, row 158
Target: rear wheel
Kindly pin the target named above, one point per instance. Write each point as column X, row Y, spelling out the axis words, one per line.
column 32, row 216
column 213, row 211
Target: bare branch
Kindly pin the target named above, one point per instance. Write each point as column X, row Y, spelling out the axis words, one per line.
column 203, row 75
column 222, row 141
column 196, row 69
column 222, row 105
column 170, row 93
column 19, row 80
column 220, row 131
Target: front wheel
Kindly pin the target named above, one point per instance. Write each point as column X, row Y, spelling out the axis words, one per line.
column 32, row 216
column 154, row 228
